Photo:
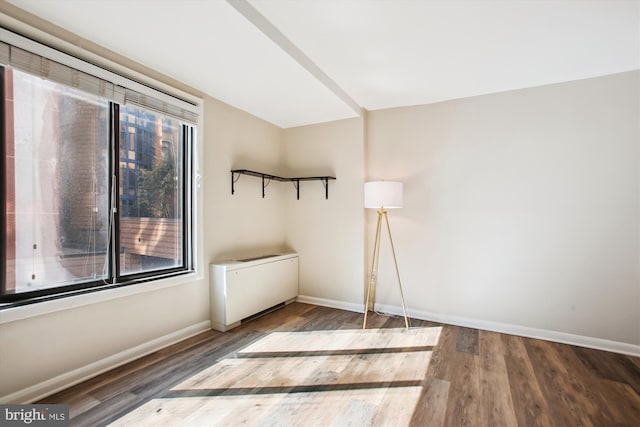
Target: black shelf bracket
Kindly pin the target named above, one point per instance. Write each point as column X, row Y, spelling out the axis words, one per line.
column 233, row 181
column 296, row 184
column 235, row 176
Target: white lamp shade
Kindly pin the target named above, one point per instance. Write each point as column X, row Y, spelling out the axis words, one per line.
column 387, row 194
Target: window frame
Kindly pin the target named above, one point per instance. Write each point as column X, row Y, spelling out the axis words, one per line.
column 186, row 132
column 3, row 187
column 189, row 218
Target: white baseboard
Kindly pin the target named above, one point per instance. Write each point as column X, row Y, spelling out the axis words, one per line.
column 60, row 382
column 38, row 391
column 348, row 306
column 505, row 328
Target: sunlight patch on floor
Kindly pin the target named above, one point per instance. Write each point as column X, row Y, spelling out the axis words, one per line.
column 350, row 339
column 319, row 378
column 339, row 408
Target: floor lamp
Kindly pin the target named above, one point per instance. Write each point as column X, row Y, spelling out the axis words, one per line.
column 382, row 195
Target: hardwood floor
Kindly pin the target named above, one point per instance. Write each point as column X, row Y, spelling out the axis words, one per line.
column 439, row 375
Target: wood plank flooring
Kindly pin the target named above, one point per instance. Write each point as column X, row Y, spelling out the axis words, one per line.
column 309, row 365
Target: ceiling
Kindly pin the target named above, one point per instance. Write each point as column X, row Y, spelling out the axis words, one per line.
column 294, row 62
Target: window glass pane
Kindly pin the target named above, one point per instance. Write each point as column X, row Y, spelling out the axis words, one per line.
column 151, row 191
column 56, row 159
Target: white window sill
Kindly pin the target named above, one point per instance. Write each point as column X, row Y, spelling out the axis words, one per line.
column 13, row 314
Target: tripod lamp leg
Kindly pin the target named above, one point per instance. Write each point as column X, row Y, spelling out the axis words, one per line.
column 373, row 275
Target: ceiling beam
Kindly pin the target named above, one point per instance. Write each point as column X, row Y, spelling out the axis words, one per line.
column 269, row 30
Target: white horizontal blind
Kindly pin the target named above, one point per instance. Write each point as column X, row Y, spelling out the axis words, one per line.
column 59, row 73
column 55, row 71
column 132, row 97
column 4, row 53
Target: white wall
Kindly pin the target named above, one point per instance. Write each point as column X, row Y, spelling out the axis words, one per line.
column 520, row 208
column 328, row 234
column 41, row 353
column 242, row 224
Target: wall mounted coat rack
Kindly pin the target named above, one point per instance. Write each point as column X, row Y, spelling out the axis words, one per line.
column 266, row 179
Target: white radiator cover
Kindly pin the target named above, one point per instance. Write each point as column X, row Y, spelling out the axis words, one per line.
column 240, row 289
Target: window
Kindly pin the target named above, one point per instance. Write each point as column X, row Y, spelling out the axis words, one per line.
column 151, row 191
column 96, row 187
column 56, row 200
